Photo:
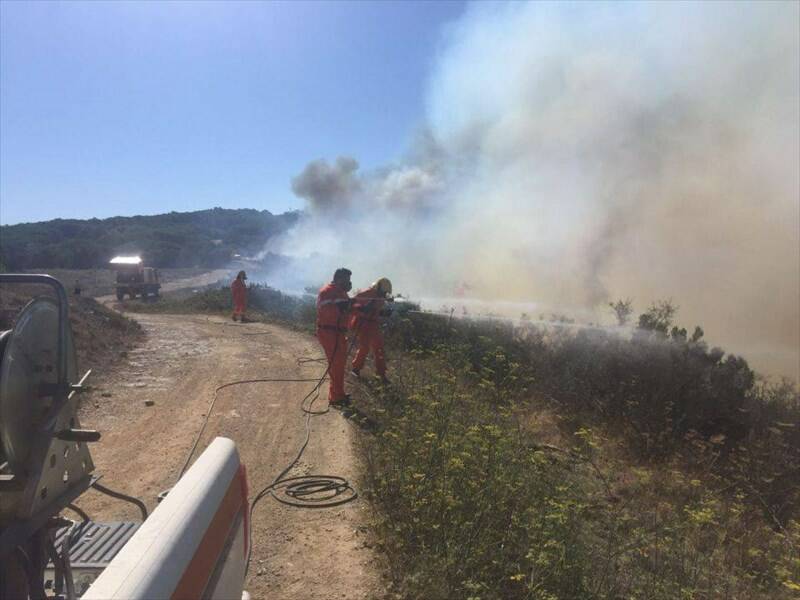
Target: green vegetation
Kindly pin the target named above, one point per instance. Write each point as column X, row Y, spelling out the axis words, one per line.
column 207, row 238
column 664, row 469
column 264, row 304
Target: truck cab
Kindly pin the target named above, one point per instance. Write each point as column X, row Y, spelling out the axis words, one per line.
column 133, row 278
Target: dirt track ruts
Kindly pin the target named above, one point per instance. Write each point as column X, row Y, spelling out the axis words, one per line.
column 297, row 553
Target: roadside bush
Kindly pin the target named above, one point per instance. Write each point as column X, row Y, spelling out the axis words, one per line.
column 653, row 388
column 264, row 303
column 472, row 505
column 283, row 307
column 471, row 508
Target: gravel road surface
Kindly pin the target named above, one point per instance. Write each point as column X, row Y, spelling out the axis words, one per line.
column 152, row 405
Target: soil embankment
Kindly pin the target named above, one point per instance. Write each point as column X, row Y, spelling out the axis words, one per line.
column 102, row 336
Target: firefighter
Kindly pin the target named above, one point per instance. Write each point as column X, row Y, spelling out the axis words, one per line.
column 333, row 308
column 368, row 306
column 239, row 291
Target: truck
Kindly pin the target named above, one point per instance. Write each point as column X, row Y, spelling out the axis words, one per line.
column 133, row 278
column 195, row 544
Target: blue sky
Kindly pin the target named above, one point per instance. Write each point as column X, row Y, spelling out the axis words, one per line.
column 139, row 108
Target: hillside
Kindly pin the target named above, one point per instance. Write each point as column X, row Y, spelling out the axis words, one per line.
column 207, row 238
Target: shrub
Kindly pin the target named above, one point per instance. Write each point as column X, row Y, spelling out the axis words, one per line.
column 471, row 508
column 264, row 303
column 658, row 317
column 654, row 389
column 472, row 505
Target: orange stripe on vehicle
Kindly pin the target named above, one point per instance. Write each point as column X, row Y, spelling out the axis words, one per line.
column 245, row 506
column 198, row 572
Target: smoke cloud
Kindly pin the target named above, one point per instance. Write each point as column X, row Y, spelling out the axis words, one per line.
column 328, row 187
column 577, row 153
column 335, row 190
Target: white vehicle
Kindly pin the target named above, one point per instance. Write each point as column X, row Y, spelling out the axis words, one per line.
column 195, row 543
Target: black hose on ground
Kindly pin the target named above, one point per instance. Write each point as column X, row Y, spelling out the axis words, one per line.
column 120, row 496
column 214, row 401
column 79, row 511
column 305, row 491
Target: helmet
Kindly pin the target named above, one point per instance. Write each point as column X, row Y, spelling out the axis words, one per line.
column 383, row 286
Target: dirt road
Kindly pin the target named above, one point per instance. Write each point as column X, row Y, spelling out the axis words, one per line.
column 297, row 553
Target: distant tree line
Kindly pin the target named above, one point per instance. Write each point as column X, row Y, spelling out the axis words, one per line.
column 207, row 238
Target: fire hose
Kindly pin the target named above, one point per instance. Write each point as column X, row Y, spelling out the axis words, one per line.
column 304, row 491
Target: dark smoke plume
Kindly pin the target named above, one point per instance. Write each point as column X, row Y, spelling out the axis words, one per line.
column 328, row 187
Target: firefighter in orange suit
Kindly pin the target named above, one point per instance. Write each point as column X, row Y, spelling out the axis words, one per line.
column 367, row 308
column 239, row 291
column 333, row 311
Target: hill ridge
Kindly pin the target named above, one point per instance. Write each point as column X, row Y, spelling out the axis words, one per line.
column 207, row 238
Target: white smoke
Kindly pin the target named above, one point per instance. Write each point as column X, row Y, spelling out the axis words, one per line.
column 576, row 153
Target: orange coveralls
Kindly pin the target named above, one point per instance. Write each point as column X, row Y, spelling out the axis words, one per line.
column 239, row 289
column 365, row 322
column 332, row 317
